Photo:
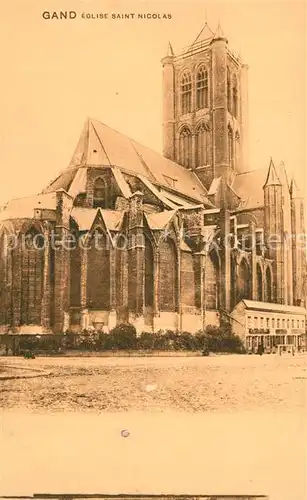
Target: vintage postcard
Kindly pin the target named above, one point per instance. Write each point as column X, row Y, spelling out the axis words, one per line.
column 153, row 278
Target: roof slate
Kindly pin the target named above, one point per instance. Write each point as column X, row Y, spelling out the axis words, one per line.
column 249, row 185
column 86, row 216
column 23, row 208
column 100, row 145
column 269, row 306
column 160, row 220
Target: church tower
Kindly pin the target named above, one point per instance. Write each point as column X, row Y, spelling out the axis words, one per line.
column 298, row 243
column 205, row 108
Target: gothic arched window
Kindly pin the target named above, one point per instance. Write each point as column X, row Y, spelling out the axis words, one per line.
column 230, row 146
column 32, row 267
column 228, row 91
column 168, row 276
column 188, row 280
column 185, row 147
column 212, row 282
column 237, row 149
column 75, row 270
column 268, row 285
column 99, row 193
column 98, row 272
column 302, row 218
column 259, row 283
column 234, row 96
column 149, row 274
column 5, row 279
column 243, row 282
column 202, row 88
column 186, row 93
column 203, row 145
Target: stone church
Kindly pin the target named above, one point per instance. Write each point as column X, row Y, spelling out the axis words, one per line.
column 164, row 242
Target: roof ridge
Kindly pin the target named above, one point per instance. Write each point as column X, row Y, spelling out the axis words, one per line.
column 147, row 147
column 100, row 142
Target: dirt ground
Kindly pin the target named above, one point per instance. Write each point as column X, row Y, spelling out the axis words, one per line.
column 227, row 383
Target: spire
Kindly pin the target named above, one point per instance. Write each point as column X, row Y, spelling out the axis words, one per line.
column 294, row 190
column 170, row 51
column 219, row 34
column 272, row 177
column 205, row 34
column 283, row 176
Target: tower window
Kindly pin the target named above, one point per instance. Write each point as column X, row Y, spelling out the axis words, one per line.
column 302, row 217
column 234, row 96
column 186, row 93
column 203, row 143
column 230, row 146
column 228, row 91
column 99, row 193
column 237, row 149
column 202, row 88
column 185, row 147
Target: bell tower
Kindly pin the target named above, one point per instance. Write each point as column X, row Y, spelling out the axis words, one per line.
column 205, row 108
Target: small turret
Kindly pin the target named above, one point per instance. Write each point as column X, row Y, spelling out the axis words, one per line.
column 295, row 192
column 272, row 178
column 273, row 229
column 170, row 51
column 219, row 34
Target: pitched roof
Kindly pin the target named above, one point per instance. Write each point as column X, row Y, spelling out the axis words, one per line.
column 78, row 184
column 23, row 208
column 249, row 185
column 100, row 145
column 85, row 217
column 205, row 33
column 215, row 185
column 160, row 220
column 269, row 306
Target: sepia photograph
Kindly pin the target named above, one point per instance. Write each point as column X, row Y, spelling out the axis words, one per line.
column 153, row 264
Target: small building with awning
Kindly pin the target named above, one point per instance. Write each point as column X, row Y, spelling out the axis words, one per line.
column 269, row 324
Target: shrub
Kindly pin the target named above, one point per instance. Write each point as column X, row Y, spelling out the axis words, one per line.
column 147, row 340
column 219, row 339
column 123, row 336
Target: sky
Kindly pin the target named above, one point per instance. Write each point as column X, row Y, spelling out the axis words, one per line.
column 56, row 73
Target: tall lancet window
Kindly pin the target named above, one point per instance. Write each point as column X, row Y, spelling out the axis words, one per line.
column 237, row 149
column 234, row 96
column 228, row 91
column 302, row 221
column 185, row 147
column 99, row 193
column 186, row 93
column 230, row 146
column 203, row 145
column 202, row 88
